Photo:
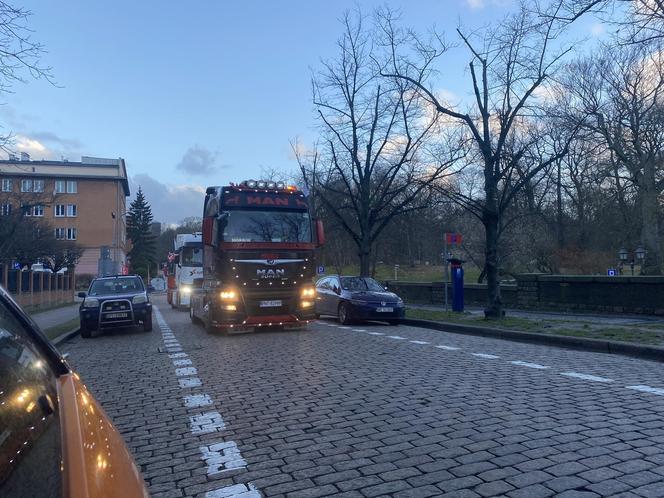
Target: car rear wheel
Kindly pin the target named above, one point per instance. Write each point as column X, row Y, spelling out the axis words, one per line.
column 344, row 314
column 394, row 322
column 192, row 316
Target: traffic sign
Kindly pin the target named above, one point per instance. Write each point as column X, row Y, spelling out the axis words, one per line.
column 453, row 238
column 321, row 269
column 611, row 272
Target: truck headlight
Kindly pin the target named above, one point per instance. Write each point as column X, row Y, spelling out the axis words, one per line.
column 185, row 289
column 228, row 295
column 307, row 304
column 90, row 302
column 141, row 298
column 308, row 292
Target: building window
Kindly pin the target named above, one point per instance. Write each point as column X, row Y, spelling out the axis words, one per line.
column 7, row 185
column 38, row 186
column 27, row 210
column 26, row 185
column 71, row 187
column 38, row 210
column 59, row 210
column 60, row 186
column 60, row 233
column 5, row 209
column 71, row 234
column 71, row 210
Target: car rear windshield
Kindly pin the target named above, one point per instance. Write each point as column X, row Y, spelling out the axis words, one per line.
column 360, row 284
column 115, row 286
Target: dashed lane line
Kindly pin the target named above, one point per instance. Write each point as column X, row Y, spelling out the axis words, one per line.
column 219, row 457
column 647, row 389
column 420, row 342
column 485, row 355
column 447, row 348
column 536, row 366
column 396, row 337
column 592, row 378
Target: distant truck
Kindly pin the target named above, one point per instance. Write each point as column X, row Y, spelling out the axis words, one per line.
column 185, row 267
column 259, row 242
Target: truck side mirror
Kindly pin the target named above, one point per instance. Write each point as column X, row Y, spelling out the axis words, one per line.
column 320, row 233
column 197, row 283
column 82, row 295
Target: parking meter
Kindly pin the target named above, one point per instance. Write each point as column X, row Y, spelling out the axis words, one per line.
column 457, row 284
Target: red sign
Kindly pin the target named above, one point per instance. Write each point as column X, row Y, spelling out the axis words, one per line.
column 453, row 238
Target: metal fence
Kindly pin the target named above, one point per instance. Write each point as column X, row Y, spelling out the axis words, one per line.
column 37, row 289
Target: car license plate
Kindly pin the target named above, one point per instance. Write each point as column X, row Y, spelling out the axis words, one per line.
column 117, row 315
column 270, row 304
column 384, row 310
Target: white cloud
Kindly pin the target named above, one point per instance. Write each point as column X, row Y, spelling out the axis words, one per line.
column 170, row 203
column 475, row 4
column 597, row 29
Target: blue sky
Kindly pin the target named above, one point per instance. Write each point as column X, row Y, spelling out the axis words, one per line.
column 171, row 85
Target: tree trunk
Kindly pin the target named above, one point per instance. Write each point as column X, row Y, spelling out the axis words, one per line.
column 652, row 264
column 365, row 258
column 494, row 302
column 559, row 208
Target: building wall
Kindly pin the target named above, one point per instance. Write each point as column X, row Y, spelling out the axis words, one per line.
column 100, row 211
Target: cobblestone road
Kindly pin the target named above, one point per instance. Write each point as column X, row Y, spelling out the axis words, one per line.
column 373, row 410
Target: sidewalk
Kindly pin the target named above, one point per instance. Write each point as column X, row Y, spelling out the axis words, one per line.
column 57, row 321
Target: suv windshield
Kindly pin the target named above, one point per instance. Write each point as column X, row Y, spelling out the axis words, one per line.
column 192, row 256
column 122, row 285
column 267, row 226
column 360, row 284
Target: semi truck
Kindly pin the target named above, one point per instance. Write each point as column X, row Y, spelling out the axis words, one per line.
column 185, row 267
column 259, row 243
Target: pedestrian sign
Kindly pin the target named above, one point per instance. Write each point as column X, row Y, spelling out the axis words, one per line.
column 321, row 269
column 611, row 272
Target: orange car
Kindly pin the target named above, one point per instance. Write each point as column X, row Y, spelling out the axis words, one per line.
column 55, row 439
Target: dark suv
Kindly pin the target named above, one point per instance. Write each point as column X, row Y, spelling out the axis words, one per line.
column 114, row 302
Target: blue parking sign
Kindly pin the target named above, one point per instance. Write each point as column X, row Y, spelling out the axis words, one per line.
column 321, row 269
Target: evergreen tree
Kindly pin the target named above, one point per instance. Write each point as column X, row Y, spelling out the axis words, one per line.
column 139, row 219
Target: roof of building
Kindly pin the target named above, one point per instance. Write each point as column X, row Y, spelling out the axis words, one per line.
column 95, row 168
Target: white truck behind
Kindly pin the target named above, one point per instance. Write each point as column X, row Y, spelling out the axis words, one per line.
column 189, row 266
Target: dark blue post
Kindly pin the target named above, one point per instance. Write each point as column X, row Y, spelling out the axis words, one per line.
column 457, row 285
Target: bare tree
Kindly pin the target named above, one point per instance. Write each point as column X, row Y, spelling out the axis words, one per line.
column 506, row 68
column 376, row 159
column 620, row 99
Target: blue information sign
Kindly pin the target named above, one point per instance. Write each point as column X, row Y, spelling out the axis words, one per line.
column 611, row 272
column 321, row 269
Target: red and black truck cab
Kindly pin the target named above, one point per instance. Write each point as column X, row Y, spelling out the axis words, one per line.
column 259, row 243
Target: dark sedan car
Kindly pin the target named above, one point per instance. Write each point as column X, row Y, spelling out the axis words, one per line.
column 357, row 298
column 114, row 302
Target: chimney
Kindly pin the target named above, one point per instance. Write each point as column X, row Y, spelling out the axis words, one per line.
column 25, row 156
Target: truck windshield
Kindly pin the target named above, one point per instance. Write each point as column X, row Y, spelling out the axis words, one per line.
column 267, row 226
column 192, row 256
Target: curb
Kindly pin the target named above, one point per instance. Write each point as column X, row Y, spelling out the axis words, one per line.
column 66, row 336
column 653, row 353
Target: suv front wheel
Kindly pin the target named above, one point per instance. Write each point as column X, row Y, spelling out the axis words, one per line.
column 147, row 324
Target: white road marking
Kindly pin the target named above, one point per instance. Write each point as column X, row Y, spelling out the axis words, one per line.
column 182, row 363
column 359, row 330
column 484, row 355
column 397, row 337
column 235, row 491
column 189, row 382
column 197, row 401
column 376, row 333
column 345, row 328
column 529, row 365
column 593, row 378
column 207, row 422
column 186, row 371
column 222, row 457
column 448, row 348
column 647, row 389
column 419, row 342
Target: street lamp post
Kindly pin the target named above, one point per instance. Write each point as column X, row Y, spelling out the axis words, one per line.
column 622, row 256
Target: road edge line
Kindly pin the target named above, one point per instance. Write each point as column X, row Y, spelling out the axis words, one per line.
column 66, row 336
column 652, row 353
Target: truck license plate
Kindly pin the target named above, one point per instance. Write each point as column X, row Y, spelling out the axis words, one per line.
column 270, row 304
column 385, row 310
column 117, row 315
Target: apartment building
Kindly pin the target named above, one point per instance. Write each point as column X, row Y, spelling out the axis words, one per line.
column 82, row 201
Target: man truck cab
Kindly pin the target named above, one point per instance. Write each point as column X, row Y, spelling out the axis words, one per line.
column 259, row 242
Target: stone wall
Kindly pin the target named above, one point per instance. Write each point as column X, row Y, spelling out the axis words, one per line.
column 600, row 294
